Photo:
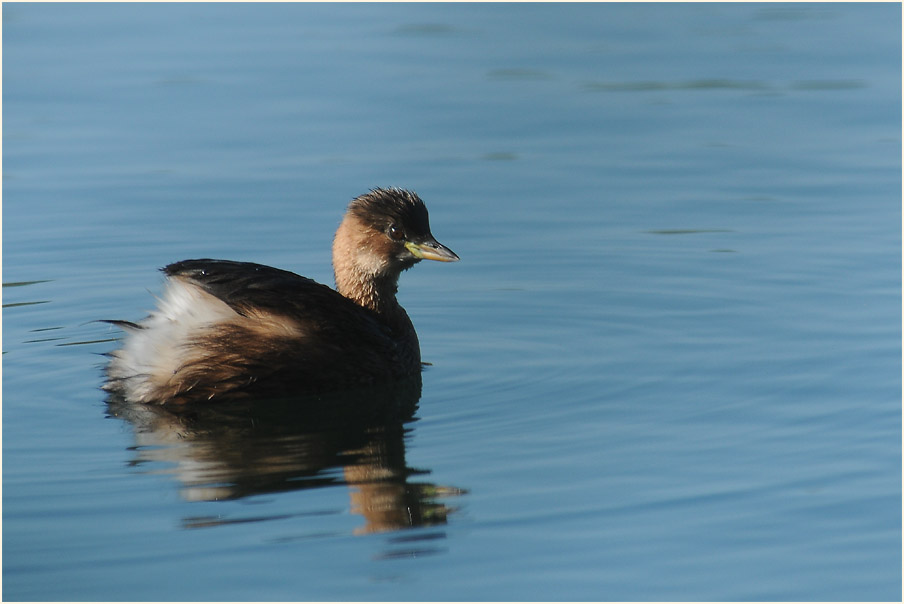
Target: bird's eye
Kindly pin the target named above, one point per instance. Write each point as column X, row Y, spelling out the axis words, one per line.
column 396, row 233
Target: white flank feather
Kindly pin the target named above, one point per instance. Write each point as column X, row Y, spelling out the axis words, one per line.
column 154, row 352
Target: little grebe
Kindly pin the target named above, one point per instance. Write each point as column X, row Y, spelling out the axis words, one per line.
column 227, row 329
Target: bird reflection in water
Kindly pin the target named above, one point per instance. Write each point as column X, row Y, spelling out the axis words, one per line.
column 233, row 450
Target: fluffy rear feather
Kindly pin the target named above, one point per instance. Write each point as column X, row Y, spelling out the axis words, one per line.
column 146, row 368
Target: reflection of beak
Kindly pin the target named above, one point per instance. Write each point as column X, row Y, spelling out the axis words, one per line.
column 431, row 249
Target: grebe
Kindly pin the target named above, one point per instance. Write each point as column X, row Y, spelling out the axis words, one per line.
column 224, row 329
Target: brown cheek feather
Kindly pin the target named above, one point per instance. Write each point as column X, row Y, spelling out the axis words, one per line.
column 374, row 249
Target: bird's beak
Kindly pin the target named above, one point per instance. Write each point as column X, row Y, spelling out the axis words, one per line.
column 431, row 249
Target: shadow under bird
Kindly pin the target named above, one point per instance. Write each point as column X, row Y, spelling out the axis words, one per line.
column 228, row 330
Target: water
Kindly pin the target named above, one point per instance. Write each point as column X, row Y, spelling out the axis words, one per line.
column 668, row 365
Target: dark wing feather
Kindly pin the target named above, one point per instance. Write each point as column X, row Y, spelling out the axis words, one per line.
column 244, row 285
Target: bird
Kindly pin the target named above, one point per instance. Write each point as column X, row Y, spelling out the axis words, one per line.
column 228, row 330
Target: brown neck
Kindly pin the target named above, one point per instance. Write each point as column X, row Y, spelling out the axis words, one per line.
column 376, row 293
column 379, row 295
column 362, row 276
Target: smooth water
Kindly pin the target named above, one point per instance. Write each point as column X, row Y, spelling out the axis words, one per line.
column 668, row 365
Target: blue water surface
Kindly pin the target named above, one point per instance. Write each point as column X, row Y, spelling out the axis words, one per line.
column 667, row 367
